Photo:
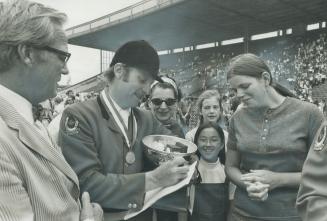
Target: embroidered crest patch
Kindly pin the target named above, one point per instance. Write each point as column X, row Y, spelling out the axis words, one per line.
column 71, row 125
column 321, row 140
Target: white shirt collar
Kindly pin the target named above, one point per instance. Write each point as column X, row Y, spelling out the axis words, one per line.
column 124, row 113
column 208, row 164
column 20, row 104
column 211, row 172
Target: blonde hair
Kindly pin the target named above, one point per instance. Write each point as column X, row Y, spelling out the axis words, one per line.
column 206, row 95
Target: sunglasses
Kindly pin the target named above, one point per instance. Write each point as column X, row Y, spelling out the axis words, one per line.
column 168, row 101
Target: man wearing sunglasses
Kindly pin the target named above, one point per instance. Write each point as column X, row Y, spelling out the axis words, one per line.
column 36, row 183
column 101, row 138
column 163, row 103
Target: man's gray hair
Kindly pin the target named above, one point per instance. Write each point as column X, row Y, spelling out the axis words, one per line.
column 28, row 23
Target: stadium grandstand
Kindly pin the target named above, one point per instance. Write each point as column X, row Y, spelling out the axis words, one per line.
column 196, row 38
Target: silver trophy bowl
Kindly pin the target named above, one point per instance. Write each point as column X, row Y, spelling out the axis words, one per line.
column 162, row 148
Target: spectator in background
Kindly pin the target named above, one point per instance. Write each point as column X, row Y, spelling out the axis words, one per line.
column 87, row 96
column 226, row 106
column 70, row 93
column 235, row 102
column 78, row 98
column 70, row 98
column 37, row 112
column 58, row 106
column 69, row 101
column 267, row 143
column 209, row 110
column 36, row 182
column 45, row 116
column 144, row 103
column 54, row 125
column 184, row 112
column 163, row 102
column 44, row 112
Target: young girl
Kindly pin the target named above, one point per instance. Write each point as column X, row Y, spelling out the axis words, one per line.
column 211, row 194
column 209, row 110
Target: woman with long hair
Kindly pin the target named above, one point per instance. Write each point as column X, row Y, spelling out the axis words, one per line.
column 269, row 138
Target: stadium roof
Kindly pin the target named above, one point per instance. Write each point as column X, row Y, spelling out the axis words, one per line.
column 169, row 24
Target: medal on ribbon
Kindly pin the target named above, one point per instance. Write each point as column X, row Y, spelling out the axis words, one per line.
column 130, row 157
column 129, row 133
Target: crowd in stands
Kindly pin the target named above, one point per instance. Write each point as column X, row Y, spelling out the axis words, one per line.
column 301, row 62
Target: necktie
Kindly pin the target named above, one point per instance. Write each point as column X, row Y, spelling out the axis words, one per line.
column 130, row 127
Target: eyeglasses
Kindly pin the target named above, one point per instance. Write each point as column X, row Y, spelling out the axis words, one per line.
column 62, row 55
column 168, row 101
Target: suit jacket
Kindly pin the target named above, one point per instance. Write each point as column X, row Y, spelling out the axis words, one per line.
column 94, row 146
column 36, row 183
column 312, row 196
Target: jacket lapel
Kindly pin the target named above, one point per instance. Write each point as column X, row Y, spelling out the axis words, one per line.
column 33, row 139
column 110, row 121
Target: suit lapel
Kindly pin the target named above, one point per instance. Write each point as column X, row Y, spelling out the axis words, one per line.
column 27, row 135
column 33, row 139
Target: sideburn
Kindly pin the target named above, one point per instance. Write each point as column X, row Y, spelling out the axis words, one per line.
column 125, row 76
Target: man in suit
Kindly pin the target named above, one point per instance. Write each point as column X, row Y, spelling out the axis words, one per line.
column 312, row 196
column 101, row 138
column 36, row 183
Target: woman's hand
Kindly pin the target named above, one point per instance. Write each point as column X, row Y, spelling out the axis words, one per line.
column 262, row 176
column 257, row 190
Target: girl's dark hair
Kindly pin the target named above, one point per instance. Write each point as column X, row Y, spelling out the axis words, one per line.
column 221, row 154
column 251, row 65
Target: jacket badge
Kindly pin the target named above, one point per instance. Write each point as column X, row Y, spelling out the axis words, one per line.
column 321, row 140
column 71, row 125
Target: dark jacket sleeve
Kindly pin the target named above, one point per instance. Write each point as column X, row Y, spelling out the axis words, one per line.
column 312, row 197
column 114, row 191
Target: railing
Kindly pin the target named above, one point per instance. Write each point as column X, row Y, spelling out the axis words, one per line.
column 124, row 14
